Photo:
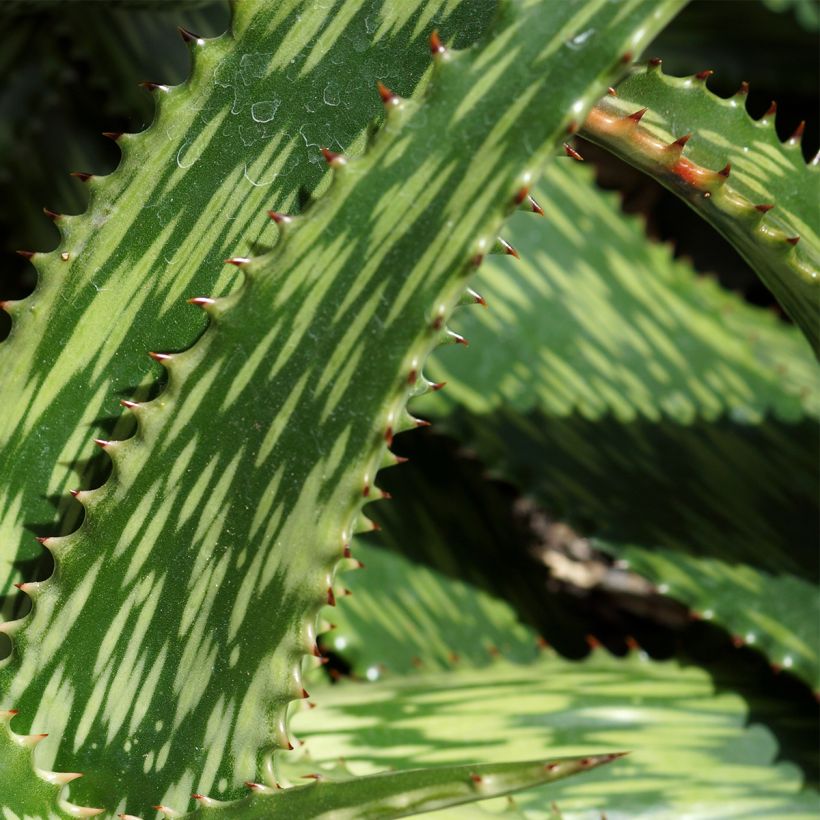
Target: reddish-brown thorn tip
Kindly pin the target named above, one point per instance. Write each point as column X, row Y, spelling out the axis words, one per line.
column 238, row 261
column 478, row 298
column 508, row 248
column 366, row 490
column 423, row 423
column 551, row 767
column 637, row 116
column 346, row 551
column 331, row 156
column 81, row 175
column 764, row 207
column 51, row 214
column 75, row 493
column 726, row 170
column 612, row 92
column 654, row 62
column 476, row 262
column 798, row 132
column 159, row 357
column 680, row 141
column 279, row 218
column 201, row 301
column 792, row 240
column 737, row 641
column 305, row 694
column 149, row 86
column 437, row 385
column 188, row 36
column 744, row 88
column 101, row 442
column 401, row 459
column 388, row 436
column 627, row 57
column 412, row 376
column 535, row 207
column 112, row 135
column 571, row 152
column 331, row 598
column 771, row 110
column 41, row 538
column 388, row 96
column 19, row 586
column 198, row 796
column 386, row 496
column 248, row 785
column 476, row 778
column 436, row 46
column 129, row 405
column 572, row 127
column 25, row 254
column 521, row 195
column 704, row 75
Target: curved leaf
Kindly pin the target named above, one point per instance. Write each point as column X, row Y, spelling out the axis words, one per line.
column 692, row 753
column 240, row 136
column 647, row 407
column 248, row 472
column 734, row 171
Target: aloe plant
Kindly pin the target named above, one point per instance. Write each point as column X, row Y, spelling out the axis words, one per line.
column 195, row 565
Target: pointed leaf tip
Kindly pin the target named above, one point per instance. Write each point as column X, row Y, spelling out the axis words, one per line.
column 638, row 115
column 702, row 76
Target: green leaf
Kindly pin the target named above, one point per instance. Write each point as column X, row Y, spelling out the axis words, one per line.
column 780, row 244
column 400, row 794
column 248, row 472
column 651, row 409
column 777, row 613
column 190, row 191
column 693, row 753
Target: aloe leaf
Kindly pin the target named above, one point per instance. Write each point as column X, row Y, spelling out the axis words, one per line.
column 249, row 470
column 403, row 793
column 652, row 410
column 733, row 170
column 693, row 753
column 239, row 137
column 776, row 613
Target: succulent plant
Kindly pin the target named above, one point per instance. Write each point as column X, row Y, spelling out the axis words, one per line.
column 355, row 165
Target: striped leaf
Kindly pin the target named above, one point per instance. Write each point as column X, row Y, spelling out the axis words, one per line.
column 239, row 137
column 652, row 410
column 692, row 755
column 757, row 191
column 248, row 472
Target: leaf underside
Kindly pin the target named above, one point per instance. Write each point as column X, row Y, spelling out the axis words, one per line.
column 248, row 472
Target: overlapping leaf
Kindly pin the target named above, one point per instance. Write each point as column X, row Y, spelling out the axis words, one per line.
column 649, row 408
column 757, row 191
column 692, row 752
column 241, row 136
column 248, row 471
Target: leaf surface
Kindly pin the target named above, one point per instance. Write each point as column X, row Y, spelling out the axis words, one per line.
column 163, row 652
column 734, row 171
column 649, row 408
